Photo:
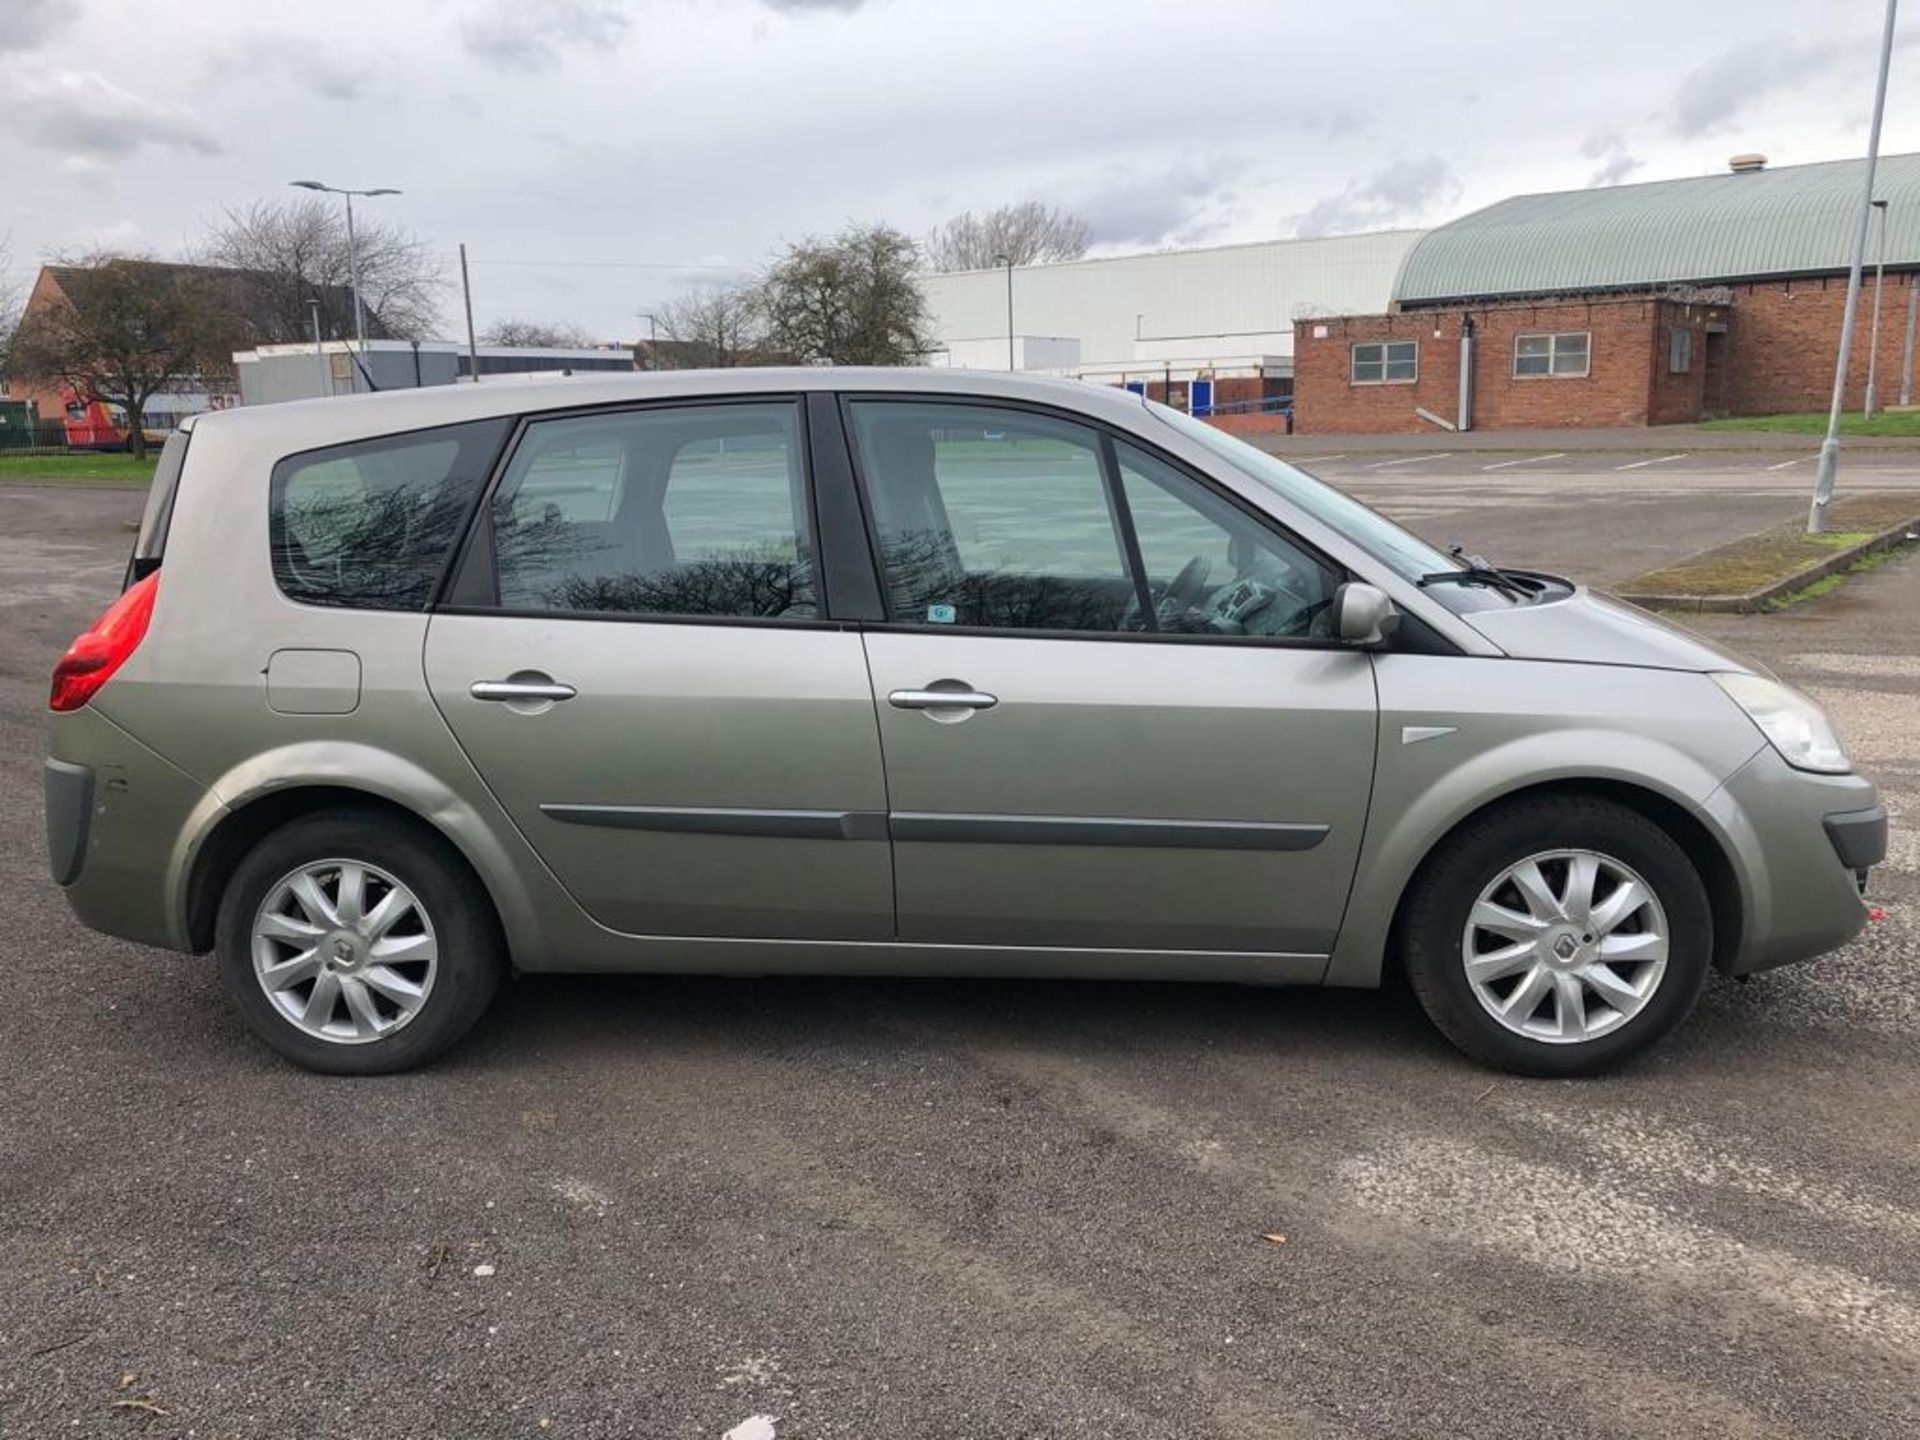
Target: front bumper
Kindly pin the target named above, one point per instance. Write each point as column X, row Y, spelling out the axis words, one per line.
column 1859, row 838
column 1802, row 844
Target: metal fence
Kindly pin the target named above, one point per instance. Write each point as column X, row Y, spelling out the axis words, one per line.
column 41, row 437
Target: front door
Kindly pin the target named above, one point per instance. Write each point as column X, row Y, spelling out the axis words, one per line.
column 636, row 663
column 1110, row 713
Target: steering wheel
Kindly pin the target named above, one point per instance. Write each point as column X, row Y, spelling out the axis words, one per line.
column 1179, row 598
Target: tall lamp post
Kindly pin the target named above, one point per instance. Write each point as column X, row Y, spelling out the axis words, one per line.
column 1830, row 447
column 1873, row 329
column 353, row 252
column 653, row 340
column 319, row 350
column 1007, row 260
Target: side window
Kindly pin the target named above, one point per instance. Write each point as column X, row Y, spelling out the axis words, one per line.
column 697, row 510
column 1385, row 362
column 1211, row 568
column 993, row 518
column 1679, row 351
column 368, row 526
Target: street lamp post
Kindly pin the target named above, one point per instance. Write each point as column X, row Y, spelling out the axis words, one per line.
column 653, row 340
column 319, row 350
column 353, row 253
column 1007, row 260
column 1830, row 447
column 1873, row 329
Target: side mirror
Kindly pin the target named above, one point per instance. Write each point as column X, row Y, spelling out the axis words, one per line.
column 1362, row 614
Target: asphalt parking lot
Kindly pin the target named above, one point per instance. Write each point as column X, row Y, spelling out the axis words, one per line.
column 1601, row 517
column 659, row 1207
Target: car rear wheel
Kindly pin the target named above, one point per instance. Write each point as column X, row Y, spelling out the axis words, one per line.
column 1557, row 935
column 357, row 944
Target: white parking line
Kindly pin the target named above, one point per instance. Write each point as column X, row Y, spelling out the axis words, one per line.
column 1657, row 460
column 1526, row 460
column 1409, row 460
column 1309, row 459
column 1785, row 463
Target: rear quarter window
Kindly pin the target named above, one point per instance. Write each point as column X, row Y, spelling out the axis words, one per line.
column 370, row 525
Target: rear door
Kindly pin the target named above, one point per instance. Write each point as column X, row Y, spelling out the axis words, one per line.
column 636, row 657
column 1111, row 715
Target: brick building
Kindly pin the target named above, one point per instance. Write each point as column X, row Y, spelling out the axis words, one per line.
column 256, row 307
column 1652, row 304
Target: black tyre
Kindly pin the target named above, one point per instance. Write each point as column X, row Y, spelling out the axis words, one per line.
column 357, row 943
column 1557, row 935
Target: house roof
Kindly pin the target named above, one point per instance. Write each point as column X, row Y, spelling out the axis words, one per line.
column 1794, row 220
column 255, row 298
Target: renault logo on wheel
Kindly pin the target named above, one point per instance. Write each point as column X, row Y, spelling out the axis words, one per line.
column 1565, row 946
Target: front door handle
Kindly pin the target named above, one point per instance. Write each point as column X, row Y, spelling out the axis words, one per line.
column 942, row 700
column 522, row 690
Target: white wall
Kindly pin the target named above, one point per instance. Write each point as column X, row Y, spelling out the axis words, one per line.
column 1030, row 352
column 1233, row 299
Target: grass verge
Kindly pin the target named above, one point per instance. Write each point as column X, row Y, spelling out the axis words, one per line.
column 106, row 468
column 1827, row 584
column 1768, row 558
column 1886, row 423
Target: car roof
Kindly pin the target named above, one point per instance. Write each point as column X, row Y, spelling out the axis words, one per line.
column 305, row 424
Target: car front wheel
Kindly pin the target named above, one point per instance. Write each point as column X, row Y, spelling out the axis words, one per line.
column 1557, row 935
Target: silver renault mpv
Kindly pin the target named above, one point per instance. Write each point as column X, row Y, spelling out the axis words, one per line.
column 908, row 673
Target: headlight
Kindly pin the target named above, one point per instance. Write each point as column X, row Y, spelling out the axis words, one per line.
column 1793, row 724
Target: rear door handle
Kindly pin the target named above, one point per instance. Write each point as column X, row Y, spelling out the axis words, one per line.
column 521, row 690
column 942, row 700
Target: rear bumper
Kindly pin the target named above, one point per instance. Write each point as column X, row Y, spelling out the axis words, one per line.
column 117, row 818
column 1802, row 843
column 69, row 790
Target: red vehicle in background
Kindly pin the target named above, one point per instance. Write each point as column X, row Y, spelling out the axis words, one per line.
column 96, row 425
column 93, row 426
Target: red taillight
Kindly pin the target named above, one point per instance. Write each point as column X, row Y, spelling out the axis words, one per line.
column 91, row 660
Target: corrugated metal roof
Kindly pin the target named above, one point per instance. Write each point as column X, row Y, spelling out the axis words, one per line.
column 1797, row 219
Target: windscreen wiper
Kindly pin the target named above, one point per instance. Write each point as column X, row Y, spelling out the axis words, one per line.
column 1479, row 572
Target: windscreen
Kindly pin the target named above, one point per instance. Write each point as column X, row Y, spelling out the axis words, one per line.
column 1407, row 554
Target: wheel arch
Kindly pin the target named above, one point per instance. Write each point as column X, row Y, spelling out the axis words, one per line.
column 277, row 786
column 1705, row 851
column 241, row 828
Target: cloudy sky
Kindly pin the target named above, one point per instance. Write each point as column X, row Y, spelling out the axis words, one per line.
column 597, row 155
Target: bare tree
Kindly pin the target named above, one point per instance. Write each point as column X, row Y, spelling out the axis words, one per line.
column 127, row 329
column 851, row 300
column 710, row 328
column 1027, row 234
column 10, row 291
column 542, row 334
column 297, row 251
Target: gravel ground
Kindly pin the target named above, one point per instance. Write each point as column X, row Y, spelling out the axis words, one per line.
column 661, row 1207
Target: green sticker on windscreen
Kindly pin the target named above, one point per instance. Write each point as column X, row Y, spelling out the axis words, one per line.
column 940, row 614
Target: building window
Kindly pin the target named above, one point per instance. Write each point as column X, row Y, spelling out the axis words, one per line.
column 1386, row 362
column 1679, row 351
column 1562, row 356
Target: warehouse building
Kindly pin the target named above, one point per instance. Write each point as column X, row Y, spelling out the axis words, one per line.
column 1660, row 303
column 340, row 367
column 1212, row 329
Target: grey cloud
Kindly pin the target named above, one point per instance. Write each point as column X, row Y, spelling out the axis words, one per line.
column 1610, row 150
column 285, row 59
column 79, row 113
column 1717, row 93
column 528, row 38
column 1398, row 194
column 28, row 24
column 813, row 7
column 1154, row 206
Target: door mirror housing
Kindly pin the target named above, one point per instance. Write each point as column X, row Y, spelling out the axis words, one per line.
column 1362, row 614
